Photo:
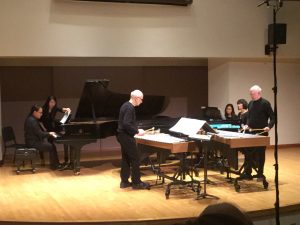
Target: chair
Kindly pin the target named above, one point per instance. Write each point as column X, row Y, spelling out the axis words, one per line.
column 25, row 154
column 9, row 141
column 21, row 152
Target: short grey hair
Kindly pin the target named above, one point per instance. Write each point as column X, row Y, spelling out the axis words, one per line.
column 136, row 93
column 256, row 88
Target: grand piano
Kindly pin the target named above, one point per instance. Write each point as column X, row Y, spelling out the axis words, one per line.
column 97, row 118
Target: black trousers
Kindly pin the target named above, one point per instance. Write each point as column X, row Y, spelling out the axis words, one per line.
column 46, row 146
column 130, row 159
column 255, row 158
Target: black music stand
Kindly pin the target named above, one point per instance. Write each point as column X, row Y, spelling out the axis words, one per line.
column 205, row 144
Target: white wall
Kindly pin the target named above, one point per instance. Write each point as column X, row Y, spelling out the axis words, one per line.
column 218, row 81
column 242, row 75
column 207, row 28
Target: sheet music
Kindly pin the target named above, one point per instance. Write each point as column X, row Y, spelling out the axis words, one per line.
column 164, row 138
column 230, row 134
column 65, row 117
column 188, row 126
column 200, row 137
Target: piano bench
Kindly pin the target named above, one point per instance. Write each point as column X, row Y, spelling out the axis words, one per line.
column 25, row 154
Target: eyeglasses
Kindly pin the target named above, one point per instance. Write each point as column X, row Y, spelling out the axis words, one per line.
column 140, row 98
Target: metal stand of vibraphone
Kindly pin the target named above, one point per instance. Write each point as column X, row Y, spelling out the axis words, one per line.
column 204, row 194
column 179, row 177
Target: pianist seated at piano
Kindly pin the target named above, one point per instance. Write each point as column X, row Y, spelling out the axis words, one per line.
column 35, row 137
column 229, row 113
column 127, row 129
column 50, row 110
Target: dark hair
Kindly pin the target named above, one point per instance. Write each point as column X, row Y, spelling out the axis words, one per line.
column 232, row 113
column 46, row 105
column 34, row 108
column 220, row 214
column 223, row 214
column 243, row 102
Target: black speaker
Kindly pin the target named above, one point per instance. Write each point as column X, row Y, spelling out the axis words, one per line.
column 280, row 32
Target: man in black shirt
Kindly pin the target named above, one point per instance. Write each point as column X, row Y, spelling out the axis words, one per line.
column 260, row 116
column 35, row 137
column 127, row 129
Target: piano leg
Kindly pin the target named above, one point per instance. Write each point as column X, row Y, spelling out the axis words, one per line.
column 75, row 157
column 66, row 153
column 75, row 146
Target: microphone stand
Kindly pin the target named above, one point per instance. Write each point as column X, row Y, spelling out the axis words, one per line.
column 278, row 4
column 276, row 165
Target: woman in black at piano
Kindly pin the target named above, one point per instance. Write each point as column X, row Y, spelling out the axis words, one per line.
column 50, row 110
column 49, row 124
column 229, row 113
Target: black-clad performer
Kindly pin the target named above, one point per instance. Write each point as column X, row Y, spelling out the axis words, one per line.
column 260, row 116
column 127, row 129
column 242, row 106
column 50, row 109
column 35, row 137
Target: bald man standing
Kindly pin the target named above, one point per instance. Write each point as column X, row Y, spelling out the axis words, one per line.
column 127, row 129
column 260, row 116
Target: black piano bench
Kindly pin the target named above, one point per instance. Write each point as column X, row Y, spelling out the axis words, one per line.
column 25, row 154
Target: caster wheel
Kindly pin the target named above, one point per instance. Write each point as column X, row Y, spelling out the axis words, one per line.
column 266, row 184
column 18, row 172
column 198, row 191
column 34, row 170
column 167, row 194
column 237, row 187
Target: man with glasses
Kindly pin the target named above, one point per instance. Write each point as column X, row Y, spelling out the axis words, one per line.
column 127, row 129
column 35, row 137
column 261, row 119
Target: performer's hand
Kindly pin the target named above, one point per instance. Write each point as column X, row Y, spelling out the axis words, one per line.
column 53, row 134
column 266, row 129
column 141, row 132
column 245, row 127
column 67, row 110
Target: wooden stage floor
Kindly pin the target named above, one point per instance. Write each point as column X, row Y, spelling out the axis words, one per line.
column 95, row 197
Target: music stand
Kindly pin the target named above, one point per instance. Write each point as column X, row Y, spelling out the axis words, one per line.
column 204, row 140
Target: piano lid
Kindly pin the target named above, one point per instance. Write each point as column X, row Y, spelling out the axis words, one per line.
column 97, row 101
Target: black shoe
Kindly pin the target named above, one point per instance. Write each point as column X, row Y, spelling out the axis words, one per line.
column 245, row 176
column 64, row 166
column 57, row 167
column 125, row 184
column 141, row 186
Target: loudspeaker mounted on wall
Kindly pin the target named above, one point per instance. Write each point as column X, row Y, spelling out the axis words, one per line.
column 280, row 36
column 280, row 32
